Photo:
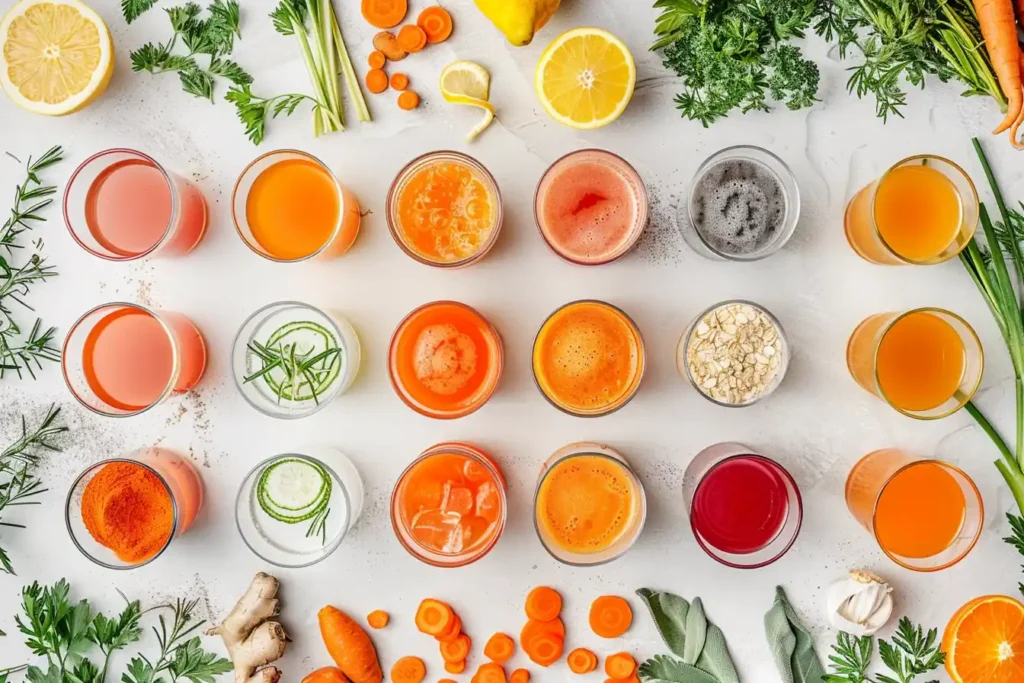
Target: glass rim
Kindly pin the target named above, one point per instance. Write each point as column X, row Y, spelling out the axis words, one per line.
column 171, row 221
column 240, row 498
column 643, row 204
column 796, row 201
column 399, row 387
column 684, row 342
column 641, row 370
column 977, row 496
column 973, row 336
column 238, row 382
column 175, row 357
column 96, row 466
column 634, row 478
column 392, row 222
column 708, row 548
column 416, row 549
column 339, row 188
column 905, row 162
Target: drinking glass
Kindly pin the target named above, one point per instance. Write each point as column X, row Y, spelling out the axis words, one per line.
column 122, row 205
column 177, row 477
column 121, row 359
column 861, row 226
column 874, row 475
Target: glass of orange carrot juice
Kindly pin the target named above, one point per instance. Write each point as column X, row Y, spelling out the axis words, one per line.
column 922, row 211
column 925, row 514
column 122, row 205
column 123, row 513
column 448, row 508
column 926, row 363
column 589, row 507
column 444, row 210
column 122, row 359
column 289, row 207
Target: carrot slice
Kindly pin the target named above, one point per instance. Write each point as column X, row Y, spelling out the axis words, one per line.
column 582, row 661
column 433, row 617
column 490, row 673
column 620, row 665
column 446, row 680
column 534, row 629
column 436, row 22
column 412, row 38
column 455, row 667
column 545, row 650
column 400, row 82
column 500, row 648
column 519, row 676
column 378, row 618
column 610, row 616
column 457, row 650
column 543, row 604
column 385, row 13
column 377, row 60
column 408, row 670
column 408, row 100
column 376, row 81
column 453, row 632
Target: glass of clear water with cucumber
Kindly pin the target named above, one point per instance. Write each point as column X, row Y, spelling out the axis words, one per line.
column 291, row 359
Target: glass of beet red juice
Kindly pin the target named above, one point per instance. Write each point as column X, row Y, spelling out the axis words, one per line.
column 745, row 509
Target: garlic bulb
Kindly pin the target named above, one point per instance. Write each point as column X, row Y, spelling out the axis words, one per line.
column 860, row 604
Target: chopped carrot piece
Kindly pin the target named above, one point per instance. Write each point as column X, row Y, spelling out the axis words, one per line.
column 446, row 680
column 408, row 100
column 456, row 501
column 500, row 648
column 433, row 617
column 545, row 650
column 412, row 38
column 610, row 616
column 328, row 674
column 385, row 13
column 490, row 673
column 436, row 22
column 455, row 667
column 519, row 676
column 378, row 618
column 620, row 665
column 408, row 670
column 376, row 81
column 582, row 661
column 543, row 604
column 377, row 60
column 457, row 650
column 453, row 632
column 534, row 629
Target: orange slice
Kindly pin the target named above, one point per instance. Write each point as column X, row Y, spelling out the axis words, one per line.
column 984, row 641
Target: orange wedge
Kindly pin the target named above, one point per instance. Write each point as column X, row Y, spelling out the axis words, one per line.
column 984, row 641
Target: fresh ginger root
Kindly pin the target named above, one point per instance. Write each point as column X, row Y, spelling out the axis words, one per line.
column 253, row 640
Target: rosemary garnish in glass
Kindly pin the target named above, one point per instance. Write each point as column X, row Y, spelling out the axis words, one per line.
column 300, row 369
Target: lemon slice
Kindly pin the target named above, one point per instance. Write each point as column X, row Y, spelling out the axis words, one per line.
column 469, row 84
column 57, row 56
column 585, row 78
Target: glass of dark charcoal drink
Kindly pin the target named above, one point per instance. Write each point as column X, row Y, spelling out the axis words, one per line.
column 743, row 205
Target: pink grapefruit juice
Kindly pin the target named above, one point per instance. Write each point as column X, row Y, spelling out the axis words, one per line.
column 591, row 207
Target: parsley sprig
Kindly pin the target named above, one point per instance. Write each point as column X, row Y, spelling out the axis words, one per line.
column 911, row 653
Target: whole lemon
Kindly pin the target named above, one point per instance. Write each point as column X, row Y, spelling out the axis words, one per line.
column 518, row 19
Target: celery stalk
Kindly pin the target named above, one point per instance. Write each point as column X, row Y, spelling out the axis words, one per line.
column 351, row 80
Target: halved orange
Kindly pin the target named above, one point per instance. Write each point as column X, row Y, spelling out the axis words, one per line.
column 984, row 641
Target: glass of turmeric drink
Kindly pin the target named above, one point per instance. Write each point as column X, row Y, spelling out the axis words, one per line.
column 590, row 506
column 926, row 515
column 588, row 358
column 925, row 363
column 922, row 211
column 123, row 513
column 122, row 205
column 122, row 359
column 289, row 207
column 445, row 360
column 448, row 508
column 444, row 210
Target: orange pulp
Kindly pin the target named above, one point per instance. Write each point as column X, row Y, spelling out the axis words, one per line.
column 920, row 362
column 920, row 511
column 917, row 211
column 984, row 641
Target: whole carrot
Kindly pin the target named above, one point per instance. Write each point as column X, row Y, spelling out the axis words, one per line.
column 1014, row 135
column 999, row 29
column 349, row 646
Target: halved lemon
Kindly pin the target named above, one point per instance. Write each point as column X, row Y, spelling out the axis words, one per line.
column 57, row 56
column 469, row 84
column 585, row 78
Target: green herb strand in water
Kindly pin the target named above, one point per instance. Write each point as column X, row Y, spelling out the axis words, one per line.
column 299, row 370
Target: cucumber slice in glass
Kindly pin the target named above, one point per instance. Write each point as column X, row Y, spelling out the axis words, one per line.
column 293, row 490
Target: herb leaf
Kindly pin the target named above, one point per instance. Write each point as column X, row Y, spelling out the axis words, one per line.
column 254, row 111
column 850, row 658
column 197, row 82
column 672, row 670
column 791, row 644
column 133, row 9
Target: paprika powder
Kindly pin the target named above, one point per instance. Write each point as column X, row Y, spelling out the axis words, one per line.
column 128, row 509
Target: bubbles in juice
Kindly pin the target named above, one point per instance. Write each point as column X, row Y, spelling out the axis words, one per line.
column 738, row 206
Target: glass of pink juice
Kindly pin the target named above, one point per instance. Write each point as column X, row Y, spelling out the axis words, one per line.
column 123, row 205
column 122, row 359
column 591, row 207
column 745, row 509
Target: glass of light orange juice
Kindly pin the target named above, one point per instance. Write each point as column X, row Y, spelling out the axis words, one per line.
column 121, row 205
column 922, row 211
column 925, row 514
column 590, row 506
column 925, row 363
column 448, row 508
column 122, row 359
column 444, row 210
column 288, row 207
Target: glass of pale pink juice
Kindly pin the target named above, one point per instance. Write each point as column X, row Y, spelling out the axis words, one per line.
column 591, row 207
column 122, row 205
column 122, row 359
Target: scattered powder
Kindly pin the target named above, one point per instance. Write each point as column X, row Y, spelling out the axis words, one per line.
column 661, row 243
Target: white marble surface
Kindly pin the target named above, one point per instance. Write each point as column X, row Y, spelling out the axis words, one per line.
column 817, row 424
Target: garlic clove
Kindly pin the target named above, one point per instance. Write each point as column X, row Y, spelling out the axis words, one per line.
column 860, row 604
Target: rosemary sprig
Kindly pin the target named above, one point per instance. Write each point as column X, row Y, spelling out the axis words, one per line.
column 299, row 369
column 318, row 525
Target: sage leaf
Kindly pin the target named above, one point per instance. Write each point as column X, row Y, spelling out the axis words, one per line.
column 696, row 632
column 671, row 670
column 669, row 614
column 791, row 644
column 715, row 657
